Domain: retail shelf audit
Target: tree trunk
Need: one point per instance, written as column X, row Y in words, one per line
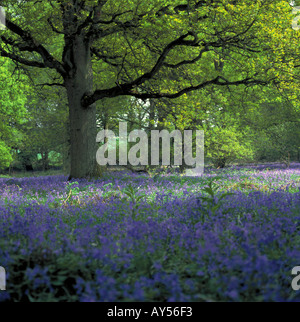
column 45, row 161
column 220, row 163
column 83, row 128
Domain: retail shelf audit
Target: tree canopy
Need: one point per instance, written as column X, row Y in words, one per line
column 154, row 49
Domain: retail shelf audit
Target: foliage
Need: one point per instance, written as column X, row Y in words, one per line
column 213, row 202
column 12, row 112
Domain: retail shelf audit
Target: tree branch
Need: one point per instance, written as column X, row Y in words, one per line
column 181, row 41
column 187, row 62
column 21, row 60
column 126, row 90
column 31, row 45
column 50, row 84
column 54, row 28
column 105, row 58
column 215, row 81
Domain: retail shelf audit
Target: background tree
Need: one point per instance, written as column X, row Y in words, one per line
column 12, row 111
column 46, row 132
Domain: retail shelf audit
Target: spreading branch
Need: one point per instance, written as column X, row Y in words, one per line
column 51, row 84
column 188, row 62
column 126, row 88
column 21, row 60
column 126, row 91
column 29, row 44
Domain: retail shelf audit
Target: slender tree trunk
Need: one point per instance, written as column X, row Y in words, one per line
column 83, row 128
column 45, row 160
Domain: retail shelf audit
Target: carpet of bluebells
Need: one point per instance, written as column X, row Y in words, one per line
column 229, row 235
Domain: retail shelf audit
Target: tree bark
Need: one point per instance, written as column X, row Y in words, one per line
column 45, row 160
column 83, row 128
